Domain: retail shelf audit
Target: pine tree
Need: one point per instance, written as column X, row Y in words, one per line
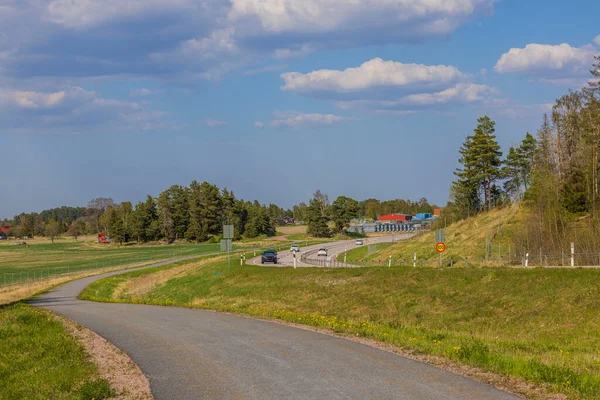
column 481, row 160
column 512, row 173
column 318, row 215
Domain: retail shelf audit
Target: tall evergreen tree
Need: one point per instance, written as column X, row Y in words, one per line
column 481, row 160
column 318, row 215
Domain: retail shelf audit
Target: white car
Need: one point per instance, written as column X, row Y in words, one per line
column 295, row 248
column 359, row 242
column 322, row 253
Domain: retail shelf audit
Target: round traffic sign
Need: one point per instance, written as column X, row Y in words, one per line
column 440, row 247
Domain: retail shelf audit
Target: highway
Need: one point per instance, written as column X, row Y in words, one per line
column 286, row 258
column 197, row 354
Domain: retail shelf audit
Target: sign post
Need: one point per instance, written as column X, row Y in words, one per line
column 440, row 247
column 294, row 259
column 226, row 243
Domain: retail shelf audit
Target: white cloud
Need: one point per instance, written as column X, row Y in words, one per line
column 213, row 123
column 30, row 99
column 259, row 124
column 73, row 109
column 296, row 119
column 143, row 92
column 370, row 19
column 597, row 40
column 543, row 60
column 461, row 93
column 373, row 74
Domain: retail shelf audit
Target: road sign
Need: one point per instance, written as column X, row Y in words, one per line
column 440, row 247
column 440, row 236
column 227, row 231
column 226, row 245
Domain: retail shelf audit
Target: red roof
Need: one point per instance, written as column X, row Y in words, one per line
column 395, row 217
column 437, row 211
column 5, row 229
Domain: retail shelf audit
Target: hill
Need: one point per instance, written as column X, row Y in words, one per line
column 466, row 242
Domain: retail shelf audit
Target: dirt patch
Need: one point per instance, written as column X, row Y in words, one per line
column 292, row 230
column 124, row 376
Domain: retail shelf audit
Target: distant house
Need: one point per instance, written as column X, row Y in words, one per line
column 437, row 211
column 288, row 220
column 5, row 229
column 394, row 218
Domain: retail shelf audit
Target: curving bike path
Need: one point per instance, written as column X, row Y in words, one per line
column 197, row 354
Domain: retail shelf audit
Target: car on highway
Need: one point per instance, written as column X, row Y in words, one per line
column 295, row 248
column 359, row 242
column 322, row 252
column 268, row 256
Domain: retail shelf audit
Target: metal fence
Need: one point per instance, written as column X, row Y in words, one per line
column 563, row 260
column 35, row 275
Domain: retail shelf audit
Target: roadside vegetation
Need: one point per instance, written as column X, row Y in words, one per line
column 39, row 359
column 537, row 325
column 486, row 239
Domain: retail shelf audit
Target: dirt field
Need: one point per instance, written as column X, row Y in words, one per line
column 293, row 229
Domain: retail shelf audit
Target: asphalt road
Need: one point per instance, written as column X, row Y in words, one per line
column 196, row 354
column 286, row 258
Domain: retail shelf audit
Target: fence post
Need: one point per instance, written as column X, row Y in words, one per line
column 572, row 254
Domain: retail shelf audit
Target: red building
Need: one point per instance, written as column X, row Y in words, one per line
column 395, row 218
column 437, row 211
column 5, row 229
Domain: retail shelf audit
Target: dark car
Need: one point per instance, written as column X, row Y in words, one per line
column 268, row 256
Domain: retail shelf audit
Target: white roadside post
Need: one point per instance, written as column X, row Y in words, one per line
column 345, row 250
column 294, row 259
column 390, row 262
column 241, row 259
column 254, row 252
column 526, row 260
column 415, row 261
column 572, row 254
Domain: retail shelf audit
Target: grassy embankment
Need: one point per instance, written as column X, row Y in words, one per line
column 465, row 240
column 541, row 326
column 40, row 360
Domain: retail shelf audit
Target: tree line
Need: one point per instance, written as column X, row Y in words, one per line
column 197, row 212
column 557, row 173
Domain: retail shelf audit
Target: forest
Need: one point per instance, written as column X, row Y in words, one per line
column 554, row 174
column 196, row 213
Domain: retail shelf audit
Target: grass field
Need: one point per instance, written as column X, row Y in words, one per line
column 465, row 240
column 542, row 326
column 361, row 253
column 40, row 360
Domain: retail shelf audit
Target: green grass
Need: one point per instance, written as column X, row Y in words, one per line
column 22, row 264
column 81, row 255
column 466, row 241
column 539, row 325
column 361, row 253
column 39, row 359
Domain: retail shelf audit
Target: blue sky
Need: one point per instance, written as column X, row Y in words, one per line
column 271, row 98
